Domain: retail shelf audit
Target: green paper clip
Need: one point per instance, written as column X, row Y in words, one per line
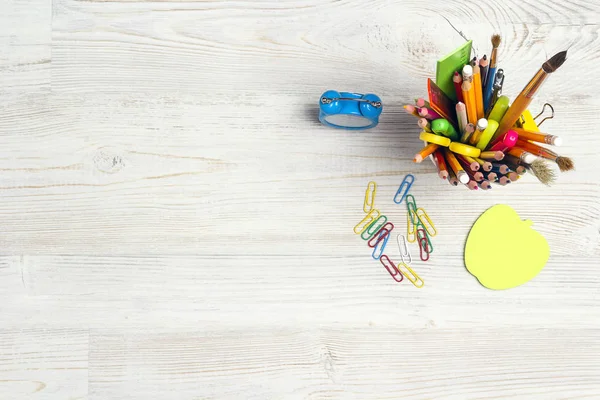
column 374, row 227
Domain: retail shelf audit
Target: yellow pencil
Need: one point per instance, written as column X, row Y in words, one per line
column 469, row 97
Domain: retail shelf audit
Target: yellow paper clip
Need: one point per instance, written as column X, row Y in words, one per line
column 367, row 220
column 410, row 275
column 411, row 230
column 424, row 217
column 370, row 197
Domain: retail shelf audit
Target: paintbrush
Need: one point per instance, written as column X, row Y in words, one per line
column 489, row 81
column 564, row 163
column 542, row 171
column 526, row 96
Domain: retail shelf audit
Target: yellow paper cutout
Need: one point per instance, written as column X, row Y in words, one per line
column 503, row 251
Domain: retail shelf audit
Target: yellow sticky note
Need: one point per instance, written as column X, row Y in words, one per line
column 503, row 251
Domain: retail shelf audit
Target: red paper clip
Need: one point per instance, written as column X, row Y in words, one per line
column 422, row 234
column 391, row 268
column 423, row 247
column 380, row 234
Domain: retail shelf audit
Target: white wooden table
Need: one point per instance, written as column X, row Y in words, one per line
column 176, row 223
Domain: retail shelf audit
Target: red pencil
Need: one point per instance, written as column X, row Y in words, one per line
column 457, row 79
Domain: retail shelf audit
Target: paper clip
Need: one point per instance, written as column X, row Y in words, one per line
column 366, row 221
column 370, row 197
column 411, row 199
column 406, row 184
column 404, row 251
column 411, row 231
column 424, row 217
column 410, row 275
column 412, row 212
column 543, row 110
column 374, row 227
column 385, row 230
column 382, row 240
column 422, row 234
column 391, row 268
column 423, row 248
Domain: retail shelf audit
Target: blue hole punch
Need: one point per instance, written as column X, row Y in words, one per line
column 352, row 111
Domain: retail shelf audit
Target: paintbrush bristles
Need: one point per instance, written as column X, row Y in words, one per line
column 555, row 62
column 541, row 169
column 565, row 164
column 496, row 39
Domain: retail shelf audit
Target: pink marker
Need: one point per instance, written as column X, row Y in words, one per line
column 506, row 142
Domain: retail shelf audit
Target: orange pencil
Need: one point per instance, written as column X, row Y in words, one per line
column 469, row 97
column 478, row 91
column 425, row 151
column 523, row 156
column 441, row 164
column 538, row 137
column 456, row 167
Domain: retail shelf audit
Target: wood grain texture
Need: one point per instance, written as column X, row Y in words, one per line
column 177, row 224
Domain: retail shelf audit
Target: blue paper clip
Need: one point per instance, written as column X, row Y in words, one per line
column 380, row 245
column 349, row 110
column 406, row 184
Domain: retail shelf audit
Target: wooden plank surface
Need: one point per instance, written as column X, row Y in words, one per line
column 177, row 224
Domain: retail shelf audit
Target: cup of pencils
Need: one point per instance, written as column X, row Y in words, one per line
column 473, row 134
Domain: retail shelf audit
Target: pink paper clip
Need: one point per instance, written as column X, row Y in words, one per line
column 381, row 234
column 391, row 268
